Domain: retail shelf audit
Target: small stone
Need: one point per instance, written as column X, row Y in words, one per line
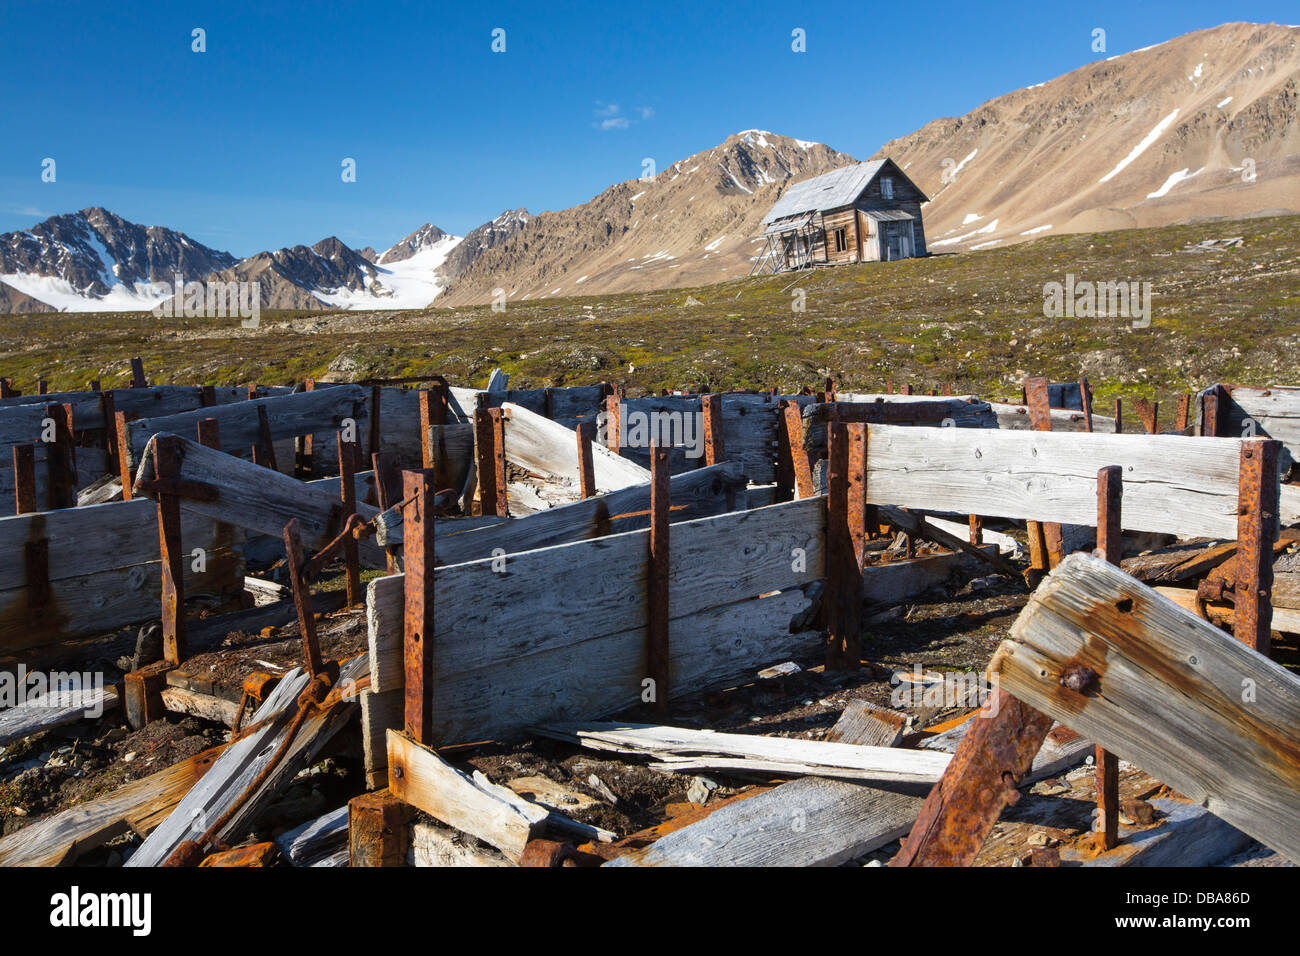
column 1037, row 838
column 127, row 758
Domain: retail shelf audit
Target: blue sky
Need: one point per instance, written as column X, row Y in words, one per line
column 241, row 146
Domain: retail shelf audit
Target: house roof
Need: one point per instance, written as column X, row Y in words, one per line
column 792, row 224
column 839, row 187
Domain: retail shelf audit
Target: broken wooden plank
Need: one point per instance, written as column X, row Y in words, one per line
column 1202, row 712
column 317, row 842
column 546, row 448
column 681, row 748
column 864, row 723
column 54, row 708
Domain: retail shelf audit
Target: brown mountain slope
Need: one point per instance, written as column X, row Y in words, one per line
column 13, row 301
column 1068, row 155
column 695, row 222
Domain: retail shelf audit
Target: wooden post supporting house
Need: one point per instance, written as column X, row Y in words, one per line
column 1110, row 491
column 845, row 542
column 1257, row 529
column 657, row 608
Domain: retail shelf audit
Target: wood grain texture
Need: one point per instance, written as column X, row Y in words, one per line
column 1200, row 711
column 1185, row 486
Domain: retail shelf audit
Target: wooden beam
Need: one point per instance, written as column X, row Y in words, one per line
column 1104, row 652
column 845, row 531
column 377, row 829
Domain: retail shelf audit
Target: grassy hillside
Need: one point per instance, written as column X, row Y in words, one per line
column 974, row 320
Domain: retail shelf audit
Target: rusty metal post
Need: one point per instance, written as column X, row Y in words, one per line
column 42, row 387
column 210, row 433
column 60, row 460
column 1040, row 419
column 586, row 466
column 845, row 529
column 418, row 555
column 348, row 495
column 388, row 491
column 123, row 443
column 791, row 428
column 1148, row 412
column 375, row 418
column 489, row 441
column 1085, row 399
column 297, row 562
column 207, row 396
column 1214, row 412
column 657, row 607
column 976, row 529
column 24, row 478
column 264, row 450
column 137, row 373
column 166, row 465
column 1184, row 411
column 906, row 390
column 711, row 410
column 981, row 779
column 1110, row 490
column 613, row 418
column 305, row 446
column 1257, row 529
column 1119, row 415
column 7, row 388
column 108, row 410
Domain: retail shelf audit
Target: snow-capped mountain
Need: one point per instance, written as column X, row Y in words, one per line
column 95, row 261
column 482, row 238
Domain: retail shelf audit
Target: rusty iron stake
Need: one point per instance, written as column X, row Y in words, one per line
column 1148, row 412
column 137, row 373
column 305, row 446
column 1184, row 411
column 418, row 555
column 1257, row 529
column 60, row 460
column 123, row 443
column 657, row 607
column 166, row 465
column 1214, row 412
column 7, row 388
column 24, row 478
column 1040, row 419
column 302, row 597
column 845, row 529
column 1119, row 415
column 108, row 410
column 711, row 411
column 586, row 466
column 613, row 415
column 906, row 390
column 210, row 433
column 264, row 450
column 388, row 491
column 348, row 495
column 207, row 396
column 976, row 529
column 375, row 419
column 800, row 462
column 489, row 439
column 982, row 778
column 1110, row 491
column 1085, row 397
column 548, row 402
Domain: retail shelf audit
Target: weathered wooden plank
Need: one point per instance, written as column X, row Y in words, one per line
column 806, row 822
column 1202, row 712
column 864, row 723
column 524, row 603
column 150, row 402
column 316, row 841
column 1016, row 417
column 420, row 777
column 547, row 448
column 1272, row 412
column 303, row 413
column 684, row 748
column 1185, row 486
column 53, row 709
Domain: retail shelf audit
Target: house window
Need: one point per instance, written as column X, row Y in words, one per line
column 842, row 240
column 887, row 188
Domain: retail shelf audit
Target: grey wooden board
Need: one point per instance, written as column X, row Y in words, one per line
column 90, row 462
column 239, row 764
column 546, row 448
column 1184, row 486
column 1193, row 707
column 864, row 723
column 53, row 709
column 1187, row 836
column 1274, row 412
column 302, row 413
column 322, row 837
column 95, row 538
column 580, row 401
column 490, row 612
column 748, row 431
column 264, row 501
column 806, row 822
column 1016, row 417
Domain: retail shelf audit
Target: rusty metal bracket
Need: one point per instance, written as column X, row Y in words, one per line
column 657, row 596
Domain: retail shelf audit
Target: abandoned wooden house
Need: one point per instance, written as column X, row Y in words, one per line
column 870, row 212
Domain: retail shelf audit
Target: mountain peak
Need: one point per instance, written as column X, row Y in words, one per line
column 425, row 237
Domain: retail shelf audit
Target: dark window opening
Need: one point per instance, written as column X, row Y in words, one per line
column 842, row 240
